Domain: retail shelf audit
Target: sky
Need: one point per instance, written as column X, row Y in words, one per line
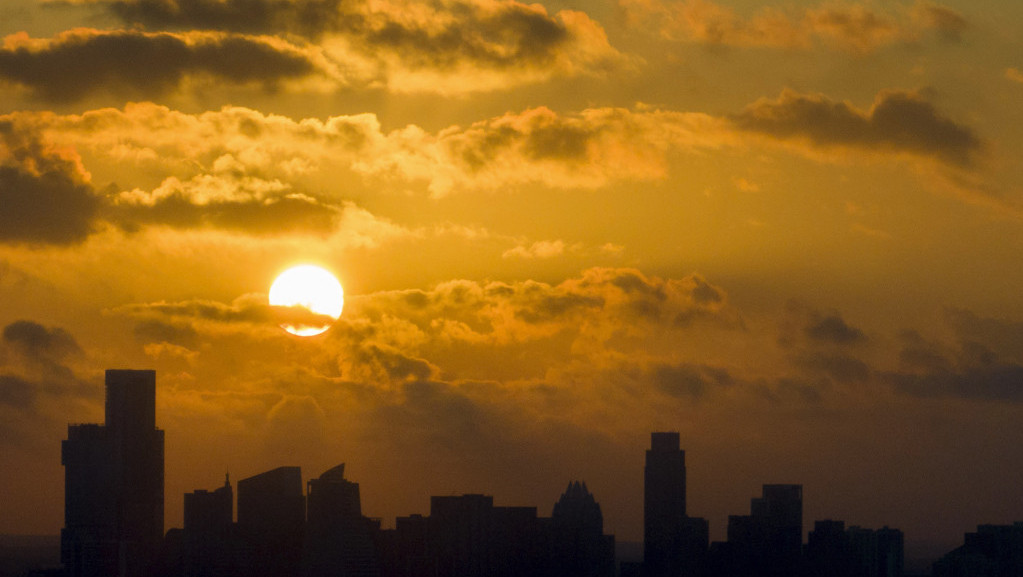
column 790, row 231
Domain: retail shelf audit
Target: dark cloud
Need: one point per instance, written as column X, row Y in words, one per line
column 949, row 24
column 305, row 17
column 832, row 328
column 409, row 45
column 173, row 322
column 538, row 135
column 1002, row 336
column 508, row 35
column 38, row 343
column 44, row 193
column 897, row 122
column 550, row 307
column 505, row 34
column 281, row 215
column 998, row 382
column 16, row 392
column 689, row 380
column 840, row 368
column 157, row 331
column 82, row 61
column 392, row 364
column 969, row 370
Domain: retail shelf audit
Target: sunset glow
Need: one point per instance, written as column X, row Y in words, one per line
column 311, row 288
column 789, row 230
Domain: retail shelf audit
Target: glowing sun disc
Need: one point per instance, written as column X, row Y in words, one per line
column 309, row 289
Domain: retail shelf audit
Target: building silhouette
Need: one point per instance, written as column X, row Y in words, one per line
column 768, row 541
column 580, row 547
column 207, row 539
column 114, row 521
column 271, row 523
column 339, row 540
column 674, row 544
column 113, row 474
column 990, row 551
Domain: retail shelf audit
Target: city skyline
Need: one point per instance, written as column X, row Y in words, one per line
column 789, row 231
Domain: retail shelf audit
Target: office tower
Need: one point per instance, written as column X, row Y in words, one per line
column 339, row 540
column 780, row 510
column 664, row 506
column 113, row 509
column 827, row 550
column 875, row 553
column 580, row 547
column 991, row 550
column 407, row 550
column 207, row 545
column 271, row 523
column 462, row 532
column 768, row 541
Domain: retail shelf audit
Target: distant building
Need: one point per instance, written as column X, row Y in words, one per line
column 991, row 551
column 271, row 523
column 674, row 544
column 580, row 547
column 768, row 541
column 827, row 550
column 664, row 505
column 113, row 506
column 339, row 540
column 834, row 551
column 208, row 534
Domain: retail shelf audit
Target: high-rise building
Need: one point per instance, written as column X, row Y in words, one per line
column 207, row 546
column 271, row 523
column 769, row 540
column 664, row 506
column 339, row 540
column 113, row 506
column 580, row 547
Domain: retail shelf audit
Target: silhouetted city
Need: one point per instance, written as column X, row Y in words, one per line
column 114, row 517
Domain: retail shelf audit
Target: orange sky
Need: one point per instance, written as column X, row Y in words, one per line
column 791, row 232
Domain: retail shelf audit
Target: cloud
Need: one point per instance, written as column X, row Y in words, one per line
column 44, row 190
column 240, row 169
column 831, row 328
column 1014, row 75
column 539, row 249
column 997, row 382
column 34, row 361
column 228, row 201
column 899, row 122
column 689, row 380
column 38, row 343
column 585, row 150
column 969, row 369
column 449, row 46
column 16, row 392
column 1003, row 337
column 853, row 27
column 304, row 17
column 949, row 23
column 80, row 62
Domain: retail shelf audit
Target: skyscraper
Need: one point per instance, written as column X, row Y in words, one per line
column 664, row 506
column 271, row 522
column 339, row 540
column 208, row 531
column 113, row 501
column 580, row 547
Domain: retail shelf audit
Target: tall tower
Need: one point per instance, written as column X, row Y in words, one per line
column 339, row 540
column 271, row 522
column 664, row 506
column 113, row 507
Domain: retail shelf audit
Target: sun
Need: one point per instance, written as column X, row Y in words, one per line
column 309, row 299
